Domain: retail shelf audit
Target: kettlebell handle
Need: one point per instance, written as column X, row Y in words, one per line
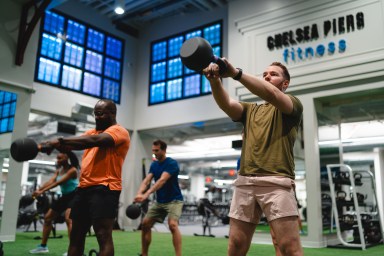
column 222, row 65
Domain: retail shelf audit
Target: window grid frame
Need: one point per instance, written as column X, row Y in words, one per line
column 184, row 74
column 82, row 68
column 10, row 116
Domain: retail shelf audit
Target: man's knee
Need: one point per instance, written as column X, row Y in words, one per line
column 173, row 227
column 290, row 246
column 146, row 225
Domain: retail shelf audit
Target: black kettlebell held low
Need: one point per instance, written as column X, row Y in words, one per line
column 133, row 211
column 25, row 149
column 196, row 54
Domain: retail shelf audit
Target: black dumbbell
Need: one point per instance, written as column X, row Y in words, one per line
column 196, row 54
column 133, row 211
column 25, row 149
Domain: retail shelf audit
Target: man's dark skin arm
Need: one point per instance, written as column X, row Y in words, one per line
column 143, row 194
column 82, row 142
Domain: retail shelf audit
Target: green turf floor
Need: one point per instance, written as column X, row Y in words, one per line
column 128, row 244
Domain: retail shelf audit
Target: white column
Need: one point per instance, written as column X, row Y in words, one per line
column 1, row 171
column 379, row 179
column 197, row 186
column 13, row 189
column 312, row 170
column 24, row 176
column 139, row 151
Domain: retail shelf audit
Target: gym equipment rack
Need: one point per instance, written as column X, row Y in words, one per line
column 354, row 206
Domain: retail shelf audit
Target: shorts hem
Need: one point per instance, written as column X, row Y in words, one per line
column 287, row 214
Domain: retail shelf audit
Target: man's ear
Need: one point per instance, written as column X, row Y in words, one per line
column 285, row 85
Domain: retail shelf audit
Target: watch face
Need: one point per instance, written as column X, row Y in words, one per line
column 239, row 74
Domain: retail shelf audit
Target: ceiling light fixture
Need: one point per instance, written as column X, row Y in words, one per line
column 353, row 141
column 120, row 6
column 41, row 162
column 205, row 154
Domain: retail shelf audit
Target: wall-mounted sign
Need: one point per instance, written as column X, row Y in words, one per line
column 292, row 41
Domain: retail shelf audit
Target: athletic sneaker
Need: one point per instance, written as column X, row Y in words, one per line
column 65, row 254
column 39, row 249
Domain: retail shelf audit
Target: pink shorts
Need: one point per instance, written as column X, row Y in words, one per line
column 272, row 195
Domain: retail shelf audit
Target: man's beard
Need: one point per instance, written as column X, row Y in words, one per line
column 101, row 126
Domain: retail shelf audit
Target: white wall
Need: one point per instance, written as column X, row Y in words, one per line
column 9, row 24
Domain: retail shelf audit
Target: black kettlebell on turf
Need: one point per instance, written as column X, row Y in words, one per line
column 25, row 149
column 196, row 54
column 93, row 252
column 133, row 211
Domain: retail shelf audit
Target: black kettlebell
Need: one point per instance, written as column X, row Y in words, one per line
column 196, row 54
column 93, row 251
column 25, row 149
column 225, row 220
column 133, row 211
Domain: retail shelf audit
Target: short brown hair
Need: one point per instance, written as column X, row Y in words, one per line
column 163, row 145
column 286, row 74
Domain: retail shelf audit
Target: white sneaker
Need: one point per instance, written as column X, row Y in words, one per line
column 39, row 249
column 65, row 254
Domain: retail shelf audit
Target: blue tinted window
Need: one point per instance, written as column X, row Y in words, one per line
column 112, row 68
column 213, row 34
column 174, row 46
column 75, row 56
column 54, row 23
column 114, row 47
column 159, row 51
column 71, row 78
column 75, row 32
column 49, row 71
column 192, row 85
column 93, row 61
column 206, row 86
column 193, row 34
column 51, row 47
column 174, row 89
column 7, row 111
column 111, row 90
column 92, row 84
column 170, row 80
column 158, row 71
column 4, row 125
column 175, row 68
column 95, row 40
column 157, row 93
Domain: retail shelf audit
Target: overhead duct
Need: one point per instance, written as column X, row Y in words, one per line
column 82, row 112
column 54, row 127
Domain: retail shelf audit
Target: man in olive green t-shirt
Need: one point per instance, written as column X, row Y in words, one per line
column 265, row 184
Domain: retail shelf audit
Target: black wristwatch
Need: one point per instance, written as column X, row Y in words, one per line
column 61, row 141
column 239, row 74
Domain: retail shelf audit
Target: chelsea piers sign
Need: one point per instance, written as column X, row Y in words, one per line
column 291, row 42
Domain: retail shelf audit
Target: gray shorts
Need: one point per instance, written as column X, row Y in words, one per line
column 158, row 211
column 274, row 196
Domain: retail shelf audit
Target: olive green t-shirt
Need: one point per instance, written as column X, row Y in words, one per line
column 269, row 137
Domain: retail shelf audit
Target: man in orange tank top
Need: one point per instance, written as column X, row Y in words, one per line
column 97, row 197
